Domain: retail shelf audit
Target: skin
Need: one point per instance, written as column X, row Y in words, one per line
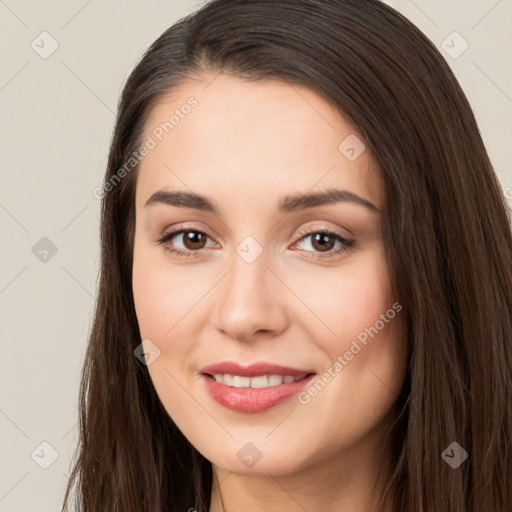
column 245, row 145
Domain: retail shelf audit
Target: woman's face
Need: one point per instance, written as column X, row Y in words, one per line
column 258, row 283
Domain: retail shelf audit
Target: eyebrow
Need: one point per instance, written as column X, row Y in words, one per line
column 287, row 204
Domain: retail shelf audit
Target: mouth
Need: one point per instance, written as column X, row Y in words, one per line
column 259, row 382
column 253, row 388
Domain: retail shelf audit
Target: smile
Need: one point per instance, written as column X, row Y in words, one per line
column 253, row 394
column 262, row 381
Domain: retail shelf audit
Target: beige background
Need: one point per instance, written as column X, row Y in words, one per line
column 57, row 115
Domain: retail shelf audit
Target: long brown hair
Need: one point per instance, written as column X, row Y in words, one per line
column 447, row 235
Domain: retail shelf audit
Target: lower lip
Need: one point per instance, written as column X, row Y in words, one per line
column 253, row 399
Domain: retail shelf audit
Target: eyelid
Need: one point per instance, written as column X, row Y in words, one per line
column 174, row 230
column 320, row 229
column 179, row 229
column 300, row 234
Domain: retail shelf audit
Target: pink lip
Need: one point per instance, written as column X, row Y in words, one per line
column 252, row 400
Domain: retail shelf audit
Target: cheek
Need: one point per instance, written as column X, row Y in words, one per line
column 162, row 297
column 366, row 354
column 163, row 302
column 346, row 301
column 169, row 304
column 151, row 303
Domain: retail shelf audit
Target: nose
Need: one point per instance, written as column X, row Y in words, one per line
column 251, row 301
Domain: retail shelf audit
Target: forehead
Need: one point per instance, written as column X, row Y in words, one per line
column 223, row 135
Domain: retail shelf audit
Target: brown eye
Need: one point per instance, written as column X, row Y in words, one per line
column 194, row 240
column 322, row 242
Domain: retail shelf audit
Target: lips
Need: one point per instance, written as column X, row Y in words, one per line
column 253, row 399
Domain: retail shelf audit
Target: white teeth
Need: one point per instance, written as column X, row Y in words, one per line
column 259, row 382
column 275, row 380
column 262, row 381
column 226, row 379
column 241, row 382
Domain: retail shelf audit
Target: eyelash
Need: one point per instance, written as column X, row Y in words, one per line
column 347, row 244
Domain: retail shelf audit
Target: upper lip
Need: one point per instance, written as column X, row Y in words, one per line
column 253, row 369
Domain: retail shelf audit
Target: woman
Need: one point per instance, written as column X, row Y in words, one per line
column 306, row 284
